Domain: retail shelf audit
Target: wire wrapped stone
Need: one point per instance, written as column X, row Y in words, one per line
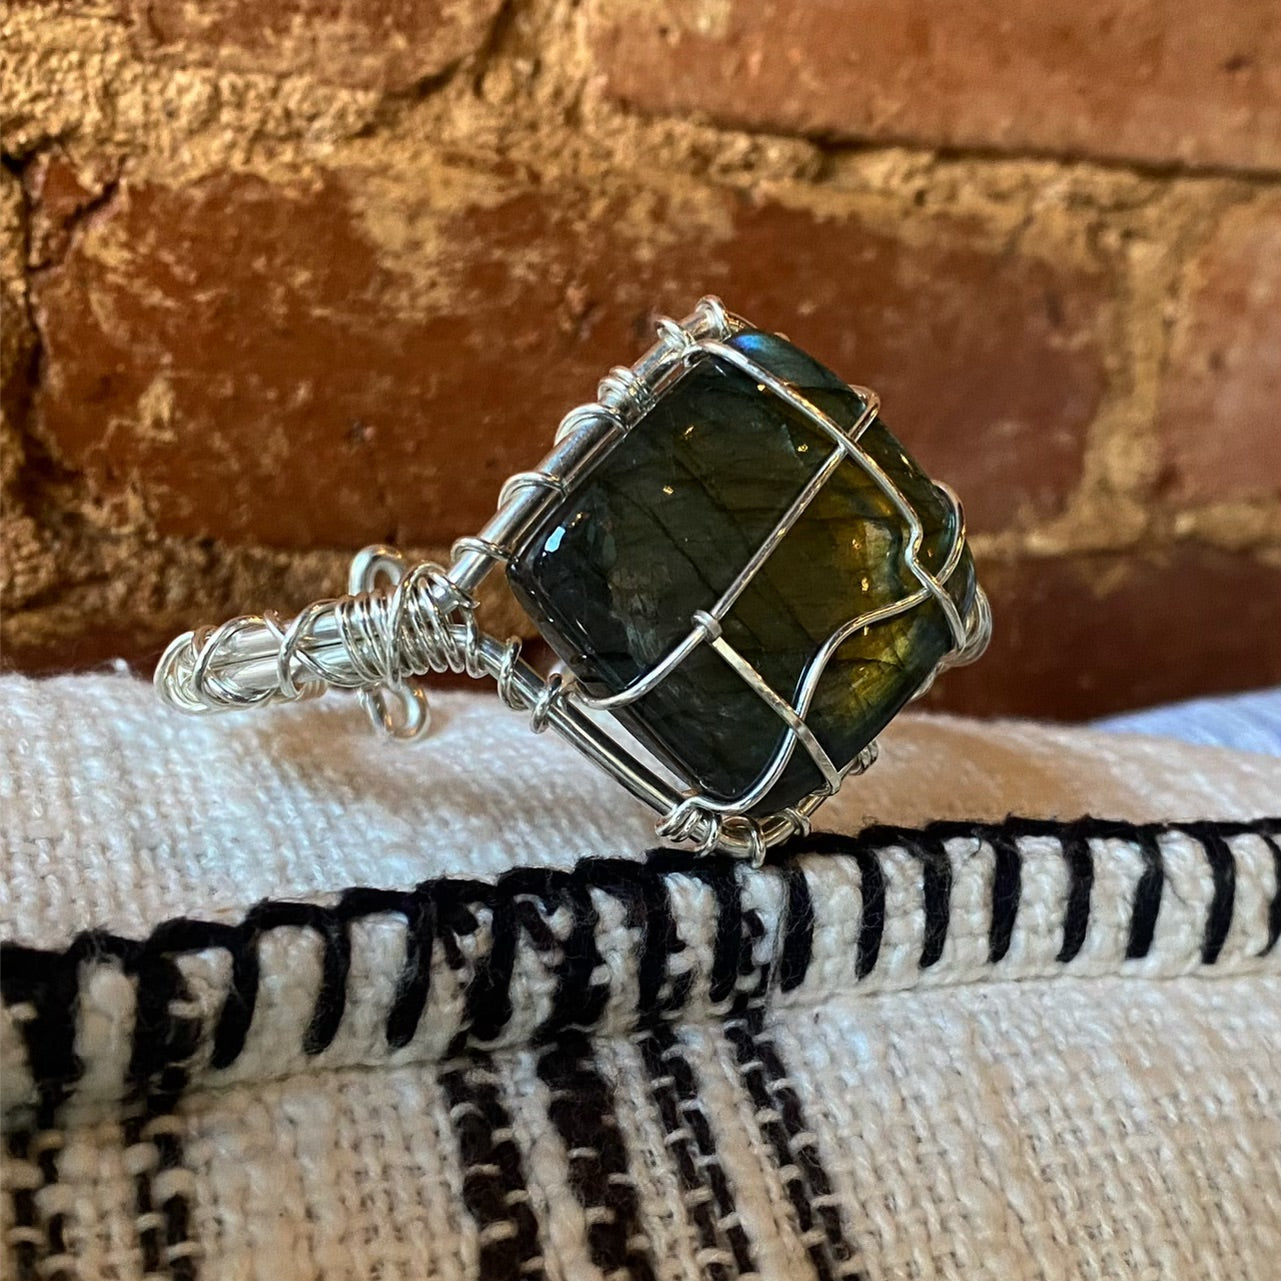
column 667, row 663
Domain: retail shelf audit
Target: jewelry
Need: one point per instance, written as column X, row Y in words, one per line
column 735, row 561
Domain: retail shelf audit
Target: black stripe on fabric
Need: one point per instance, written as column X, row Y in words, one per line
column 1076, row 915
column 155, row 1076
column 581, row 1104
column 674, row 1087
column 676, row 1093
column 802, row 1144
column 494, row 1188
column 578, row 1002
column 147, row 1219
column 494, row 1185
column 50, row 985
column 782, row 1125
column 581, row 1107
column 1223, row 870
column 24, row 1236
column 777, row 1107
column 162, row 1044
column 181, row 1252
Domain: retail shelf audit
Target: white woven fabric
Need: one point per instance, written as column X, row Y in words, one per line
column 976, row 1049
column 1250, row 722
column 119, row 813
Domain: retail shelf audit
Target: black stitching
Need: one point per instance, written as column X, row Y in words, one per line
column 871, row 928
column 50, row 983
column 1223, row 870
column 577, row 1001
column 720, row 875
column 487, row 998
column 1007, row 888
column 414, row 984
column 331, row 999
column 1274, row 911
column 182, row 934
column 647, row 906
column 798, row 929
column 488, row 995
column 1147, row 894
column 446, row 910
column 872, row 882
column 1076, row 916
column 936, row 880
column 237, row 1011
column 159, row 1039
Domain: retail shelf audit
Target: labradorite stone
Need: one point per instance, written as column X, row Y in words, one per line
column 661, row 526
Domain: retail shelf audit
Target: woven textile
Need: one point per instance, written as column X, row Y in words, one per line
column 281, row 1001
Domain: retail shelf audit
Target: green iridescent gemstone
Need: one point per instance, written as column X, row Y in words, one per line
column 662, row 525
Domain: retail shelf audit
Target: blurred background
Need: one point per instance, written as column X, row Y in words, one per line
column 285, row 277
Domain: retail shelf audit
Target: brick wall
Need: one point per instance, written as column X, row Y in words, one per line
column 283, row 278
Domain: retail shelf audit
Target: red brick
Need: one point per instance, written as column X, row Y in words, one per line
column 1151, row 80
column 17, row 341
column 383, row 44
column 1221, row 402
column 1082, row 636
column 61, row 192
column 242, row 361
column 127, row 597
column 16, row 352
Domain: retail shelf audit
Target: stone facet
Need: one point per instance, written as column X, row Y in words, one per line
column 662, row 525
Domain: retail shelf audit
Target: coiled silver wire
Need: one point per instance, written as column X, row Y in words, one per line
column 396, row 624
